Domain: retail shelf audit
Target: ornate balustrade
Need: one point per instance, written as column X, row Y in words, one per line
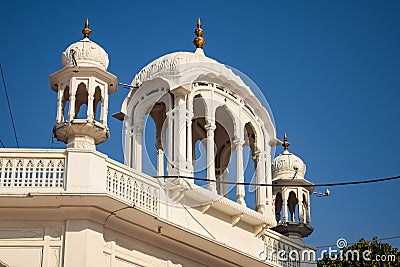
column 25, row 169
column 281, row 251
column 37, row 170
column 129, row 185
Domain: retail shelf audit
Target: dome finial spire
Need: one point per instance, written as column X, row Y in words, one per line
column 199, row 41
column 285, row 144
column 86, row 31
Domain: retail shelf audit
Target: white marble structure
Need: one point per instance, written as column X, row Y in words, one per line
column 77, row 207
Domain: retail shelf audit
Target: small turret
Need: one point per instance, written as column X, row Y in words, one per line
column 291, row 193
column 83, row 86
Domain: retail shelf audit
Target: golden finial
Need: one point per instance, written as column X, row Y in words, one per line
column 199, row 41
column 285, row 142
column 86, row 31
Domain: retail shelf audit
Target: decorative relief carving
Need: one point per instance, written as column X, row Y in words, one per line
column 83, row 51
column 166, row 64
column 288, row 162
column 54, row 257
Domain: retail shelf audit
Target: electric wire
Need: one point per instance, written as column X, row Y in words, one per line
column 201, row 225
column 9, row 106
column 1, row 142
column 304, row 185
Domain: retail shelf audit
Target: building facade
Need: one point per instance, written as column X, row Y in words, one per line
column 77, row 207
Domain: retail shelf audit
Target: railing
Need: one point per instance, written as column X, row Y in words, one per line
column 46, row 169
column 123, row 183
column 282, row 252
column 20, row 172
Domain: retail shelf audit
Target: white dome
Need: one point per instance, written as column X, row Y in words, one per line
column 86, row 53
column 288, row 166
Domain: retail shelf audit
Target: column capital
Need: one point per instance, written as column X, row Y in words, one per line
column 238, row 142
column 258, row 154
column 181, row 91
column 210, row 127
column 139, row 130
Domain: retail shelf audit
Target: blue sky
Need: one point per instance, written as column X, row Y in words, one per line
column 330, row 71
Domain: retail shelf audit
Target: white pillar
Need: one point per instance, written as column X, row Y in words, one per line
column 72, row 98
column 240, row 192
column 300, row 208
column 137, row 146
column 127, row 145
column 261, row 191
column 170, row 142
column 59, row 105
column 210, row 127
column 285, row 207
column 90, row 89
column 104, row 107
column 189, row 141
column 268, row 178
column 180, row 135
column 160, row 161
column 223, row 177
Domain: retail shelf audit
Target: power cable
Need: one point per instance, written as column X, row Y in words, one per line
column 304, row 185
column 1, row 142
column 9, row 106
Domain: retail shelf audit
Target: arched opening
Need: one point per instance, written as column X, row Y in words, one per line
column 199, row 140
column 200, row 162
column 278, row 207
column 292, row 204
column 250, row 163
column 304, row 210
column 159, row 115
column 223, row 136
column 97, row 109
column 81, row 102
column 65, row 104
column 149, row 152
column 232, row 176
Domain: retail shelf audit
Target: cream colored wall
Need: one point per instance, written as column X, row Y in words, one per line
column 79, row 243
column 31, row 243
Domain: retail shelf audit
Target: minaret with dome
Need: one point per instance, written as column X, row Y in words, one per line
column 83, row 86
column 291, row 194
column 78, row 207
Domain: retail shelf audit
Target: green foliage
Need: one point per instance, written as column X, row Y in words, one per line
column 380, row 254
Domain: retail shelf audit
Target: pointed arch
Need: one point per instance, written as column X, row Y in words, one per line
column 292, row 204
column 198, row 121
column 81, row 99
column 65, row 103
column 224, row 134
column 199, row 136
column 154, row 138
column 278, row 207
column 250, row 162
column 98, row 109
